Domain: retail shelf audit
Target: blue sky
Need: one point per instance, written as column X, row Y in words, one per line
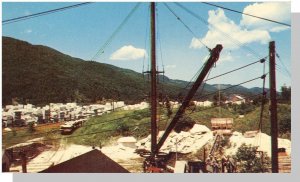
column 81, row 32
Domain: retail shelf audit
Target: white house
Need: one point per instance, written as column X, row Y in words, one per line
column 236, row 99
column 207, row 103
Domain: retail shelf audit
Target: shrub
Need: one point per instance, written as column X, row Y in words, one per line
column 123, row 128
column 250, row 161
column 31, row 127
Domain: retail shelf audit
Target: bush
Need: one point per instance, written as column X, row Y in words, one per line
column 140, row 114
column 244, row 108
column 285, row 124
column 250, row 161
column 123, row 128
column 31, row 127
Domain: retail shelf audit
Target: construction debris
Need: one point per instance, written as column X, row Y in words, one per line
column 260, row 140
column 127, row 142
column 183, row 142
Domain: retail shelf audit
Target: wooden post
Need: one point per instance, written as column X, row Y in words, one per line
column 24, row 161
column 153, row 83
column 273, row 108
column 204, row 153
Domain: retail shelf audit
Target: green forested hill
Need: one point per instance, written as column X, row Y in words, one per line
column 39, row 75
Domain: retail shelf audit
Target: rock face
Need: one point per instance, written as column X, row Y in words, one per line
column 183, row 142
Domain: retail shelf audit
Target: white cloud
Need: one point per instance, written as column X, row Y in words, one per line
column 27, row 12
column 249, row 55
column 171, row 66
column 128, row 52
column 226, row 27
column 277, row 11
column 225, row 57
column 28, row 31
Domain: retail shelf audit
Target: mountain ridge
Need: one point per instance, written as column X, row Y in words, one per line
column 41, row 74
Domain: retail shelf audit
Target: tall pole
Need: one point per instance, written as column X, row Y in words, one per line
column 273, row 108
column 153, row 82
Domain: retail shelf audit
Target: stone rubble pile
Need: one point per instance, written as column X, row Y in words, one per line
column 260, row 140
column 184, row 142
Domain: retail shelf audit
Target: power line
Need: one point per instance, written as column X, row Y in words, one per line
column 237, row 42
column 254, row 16
column 260, row 77
column 146, row 38
column 159, row 39
column 209, row 108
column 278, row 68
column 284, row 67
column 231, row 71
column 191, row 80
column 185, row 25
column 101, row 50
column 259, row 61
column 22, row 18
column 263, row 100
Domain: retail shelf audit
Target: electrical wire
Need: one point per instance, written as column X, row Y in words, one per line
column 186, row 26
column 247, row 14
column 213, row 107
column 159, row 40
column 263, row 100
column 22, row 18
column 260, row 77
column 284, row 67
column 239, row 68
column 109, row 40
column 237, row 42
column 281, row 70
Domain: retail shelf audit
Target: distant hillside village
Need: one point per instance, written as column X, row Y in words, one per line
column 22, row 115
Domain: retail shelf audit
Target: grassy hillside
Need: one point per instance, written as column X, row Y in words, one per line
column 251, row 121
column 106, row 128
column 126, row 126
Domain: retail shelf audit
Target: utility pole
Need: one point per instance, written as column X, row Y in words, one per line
column 153, row 82
column 273, row 108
